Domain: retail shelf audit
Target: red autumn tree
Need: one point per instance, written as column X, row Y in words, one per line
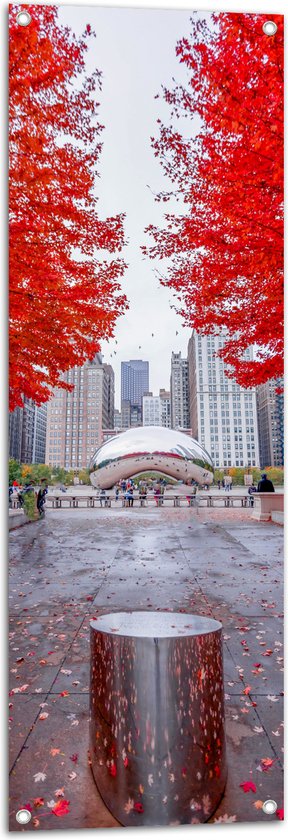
column 225, row 249
column 65, row 295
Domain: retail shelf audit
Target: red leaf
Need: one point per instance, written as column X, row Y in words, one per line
column 139, row 807
column 61, row 808
column 247, row 786
column 280, row 813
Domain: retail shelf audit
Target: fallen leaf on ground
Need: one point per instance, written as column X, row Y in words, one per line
column 61, row 808
column 39, row 777
column 247, row 786
column 267, row 762
column 258, row 804
column 59, row 792
column 225, row 819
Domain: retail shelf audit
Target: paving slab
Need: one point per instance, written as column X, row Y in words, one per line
column 79, row 564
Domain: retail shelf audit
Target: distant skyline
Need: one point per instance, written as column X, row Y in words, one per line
column 129, row 172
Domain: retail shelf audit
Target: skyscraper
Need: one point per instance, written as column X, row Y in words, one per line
column 165, row 398
column 270, row 410
column 134, row 384
column 76, row 419
column 179, row 389
column 223, row 415
column 27, row 433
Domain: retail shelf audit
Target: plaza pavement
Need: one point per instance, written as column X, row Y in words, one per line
column 76, row 564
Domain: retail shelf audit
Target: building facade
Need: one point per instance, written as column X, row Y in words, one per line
column 27, row 433
column 270, row 411
column 76, row 419
column 179, row 389
column 134, row 384
column 165, row 399
column 152, row 414
column 117, row 419
column 223, row 415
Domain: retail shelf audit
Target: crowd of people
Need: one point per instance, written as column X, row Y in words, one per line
column 126, row 489
column 19, row 492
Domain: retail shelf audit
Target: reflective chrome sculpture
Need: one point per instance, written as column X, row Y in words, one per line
column 157, row 737
column 150, row 448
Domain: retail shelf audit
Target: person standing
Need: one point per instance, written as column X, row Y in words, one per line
column 102, row 496
column 251, row 490
column 265, row 485
column 42, row 492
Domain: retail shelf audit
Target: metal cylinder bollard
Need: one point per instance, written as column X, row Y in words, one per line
column 157, row 737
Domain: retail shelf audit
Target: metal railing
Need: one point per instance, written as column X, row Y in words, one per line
column 140, row 500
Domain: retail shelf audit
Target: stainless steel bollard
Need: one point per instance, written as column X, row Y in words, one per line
column 157, row 737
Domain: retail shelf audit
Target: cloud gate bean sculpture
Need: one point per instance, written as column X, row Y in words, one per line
column 150, row 448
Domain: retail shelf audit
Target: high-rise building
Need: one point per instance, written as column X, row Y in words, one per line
column 76, row 419
column 27, row 433
column 223, row 415
column 135, row 415
column 117, row 419
column 151, row 410
column 165, row 399
column 126, row 414
column 270, row 410
column 179, row 389
column 134, row 383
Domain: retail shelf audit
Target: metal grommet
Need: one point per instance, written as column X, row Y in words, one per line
column 269, row 806
column 23, row 816
column 23, row 18
column 269, row 27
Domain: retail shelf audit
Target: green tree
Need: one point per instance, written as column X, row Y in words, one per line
column 14, row 471
column 84, row 476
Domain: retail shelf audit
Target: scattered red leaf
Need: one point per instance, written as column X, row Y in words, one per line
column 280, row 813
column 138, row 807
column 61, row 808
column 247, row 786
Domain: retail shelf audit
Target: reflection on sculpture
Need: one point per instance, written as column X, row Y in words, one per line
column 157, row 737
column 147, row 448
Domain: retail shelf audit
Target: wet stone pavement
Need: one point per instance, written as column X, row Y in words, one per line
column 76, row 565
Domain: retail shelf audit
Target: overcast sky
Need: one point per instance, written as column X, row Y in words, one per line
column 135, row 50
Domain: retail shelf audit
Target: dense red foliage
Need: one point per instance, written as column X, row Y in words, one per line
column 226, row 248
column 64, row 296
